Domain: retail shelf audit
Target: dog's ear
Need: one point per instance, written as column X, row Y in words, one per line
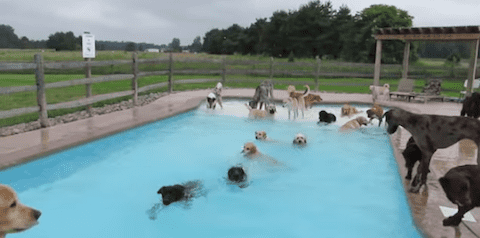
column 160, row 191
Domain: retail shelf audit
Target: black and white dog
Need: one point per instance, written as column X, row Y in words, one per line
column 215, row 97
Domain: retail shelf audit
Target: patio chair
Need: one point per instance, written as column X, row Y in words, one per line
column 476, row 84
column 405, row 89
column 431, row 91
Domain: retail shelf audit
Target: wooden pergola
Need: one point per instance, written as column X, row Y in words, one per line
column 469, row 34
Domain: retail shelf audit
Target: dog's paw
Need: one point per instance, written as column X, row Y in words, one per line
column 452, row 221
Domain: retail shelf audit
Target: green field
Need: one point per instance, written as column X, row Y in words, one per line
column 56, row 95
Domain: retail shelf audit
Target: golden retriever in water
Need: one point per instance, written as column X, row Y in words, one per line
column 348, row 110
column 251, row 152
column 354, row 124
column 260, row 114
column 14, row 216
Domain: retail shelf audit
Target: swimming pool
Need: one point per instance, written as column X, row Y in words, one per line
column 339, row 185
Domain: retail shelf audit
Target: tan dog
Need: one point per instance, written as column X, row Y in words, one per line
column 299, row 96
column 251, row 152
column 292, row 105
column 348, row 110
column 261, row 114
column 376, row 112
column 262, row 135
column 14, row 216
column 310, row 99
column 354, row 124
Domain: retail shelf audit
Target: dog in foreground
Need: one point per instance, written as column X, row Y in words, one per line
column 14, row 216
column 462, row 187
column 432, row 132
column 383, row 91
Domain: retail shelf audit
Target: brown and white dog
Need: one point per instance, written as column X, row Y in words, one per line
column 354, row 124
column 299, row 96
column 383, row 91
column 348, row 110
column 269, row 113
column 432, row 132
column 376, row 112
column 14, row 216
column 215, row 97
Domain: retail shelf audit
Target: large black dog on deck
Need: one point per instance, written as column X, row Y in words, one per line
column 471, row 106
column 432, row 132
column 462, row 187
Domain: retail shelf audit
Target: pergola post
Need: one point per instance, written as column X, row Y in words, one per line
column 473, row 66
column 406, row 56
column 378, row 59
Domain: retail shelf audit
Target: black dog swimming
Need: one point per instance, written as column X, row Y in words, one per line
column 471, row 106
column 412, row 154
column 237, row 174
column 462, row 187
column 326, row 117
column 171, row 194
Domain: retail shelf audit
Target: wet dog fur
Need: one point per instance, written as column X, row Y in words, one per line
column 376, row 112
column 462, row 187
column 354, row 124
column 348, row 110
column 326, row 117
column 432, row 132
column 14, row 216
column 300, row 139
column 262, row 114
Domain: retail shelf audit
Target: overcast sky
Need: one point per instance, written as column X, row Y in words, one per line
column 159, row 22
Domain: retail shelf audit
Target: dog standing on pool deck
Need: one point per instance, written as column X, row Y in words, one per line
column 380, row 90
column 432, row 132
column 14, row 216
column 462, row 187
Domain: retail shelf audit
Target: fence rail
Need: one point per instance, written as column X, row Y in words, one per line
column 226, row 67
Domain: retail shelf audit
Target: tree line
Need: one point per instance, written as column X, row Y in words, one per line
column 315, row 29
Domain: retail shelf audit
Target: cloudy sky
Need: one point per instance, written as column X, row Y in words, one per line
column 159, row 22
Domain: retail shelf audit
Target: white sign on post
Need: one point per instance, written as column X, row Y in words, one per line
column 88, row 46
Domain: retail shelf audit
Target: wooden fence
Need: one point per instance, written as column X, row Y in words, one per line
column 39, row 65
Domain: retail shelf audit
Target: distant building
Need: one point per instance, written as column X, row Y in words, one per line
column 152, row 50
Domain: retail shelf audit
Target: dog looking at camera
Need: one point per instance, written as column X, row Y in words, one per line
column 383, row 91
column 300, row 139
column 462, row 187
column 376, row 112
column 326, row 117
column 354, row 124
column 432, row 132
column 269, row 113
column 15, row 217
column 348, row 110
column 262, row 135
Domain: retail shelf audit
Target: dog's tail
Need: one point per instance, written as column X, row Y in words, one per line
column 307, row 91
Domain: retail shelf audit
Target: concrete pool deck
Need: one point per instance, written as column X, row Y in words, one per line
column 425, row 206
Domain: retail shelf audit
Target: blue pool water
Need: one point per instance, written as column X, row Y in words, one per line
column 339, row 185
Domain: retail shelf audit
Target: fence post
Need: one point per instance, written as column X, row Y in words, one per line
column 88, row 86
column 170, row 75
column 271, row 67
column 224, row 68
column 41, row 99
column 134, row 79
column 317, row 71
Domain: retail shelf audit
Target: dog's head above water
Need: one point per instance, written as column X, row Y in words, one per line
column 237, row 174
column 171, row 193
column 271, row 109
column 14, row 216
column 300, row 139
column 260, row 135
